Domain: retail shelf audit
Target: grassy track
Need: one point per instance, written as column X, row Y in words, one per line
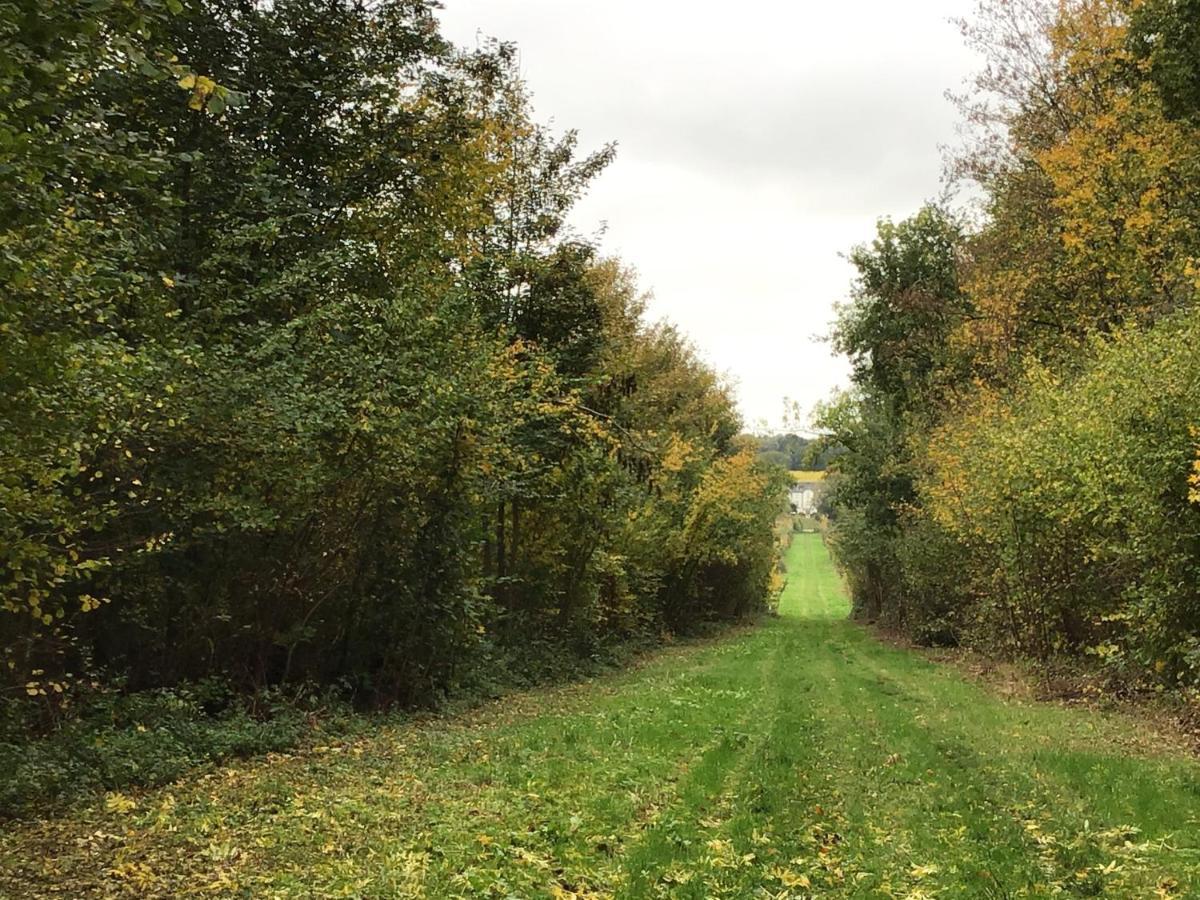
column 799, row 759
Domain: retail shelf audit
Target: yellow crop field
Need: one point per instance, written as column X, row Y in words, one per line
column 809, row 475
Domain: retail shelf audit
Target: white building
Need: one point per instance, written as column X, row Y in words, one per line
column 805, row 492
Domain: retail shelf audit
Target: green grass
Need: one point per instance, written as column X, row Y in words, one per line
column 801, row 758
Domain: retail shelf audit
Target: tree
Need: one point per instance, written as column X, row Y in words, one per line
column 896, row 331
column 304, row 376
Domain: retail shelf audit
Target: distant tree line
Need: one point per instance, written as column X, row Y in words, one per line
column 1023, row 428
column 796, row 453
column 303, row 377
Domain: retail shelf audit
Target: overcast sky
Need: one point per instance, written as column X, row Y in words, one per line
column 757, row 142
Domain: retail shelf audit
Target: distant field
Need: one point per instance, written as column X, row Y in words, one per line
column 807, row 475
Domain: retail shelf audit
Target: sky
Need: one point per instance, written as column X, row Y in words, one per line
column 758, row 142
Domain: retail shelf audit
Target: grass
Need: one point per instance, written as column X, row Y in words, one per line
column 801, row 758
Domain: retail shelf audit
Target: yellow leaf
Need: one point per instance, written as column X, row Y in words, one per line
column 792, row 879
column 119, row 803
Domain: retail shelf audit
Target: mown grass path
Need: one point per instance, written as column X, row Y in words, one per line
column 799, row 759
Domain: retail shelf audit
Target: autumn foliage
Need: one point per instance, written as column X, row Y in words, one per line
column 303, row 378
column 1022, row 474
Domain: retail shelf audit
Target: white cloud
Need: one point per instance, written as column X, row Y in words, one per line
column 758, row 141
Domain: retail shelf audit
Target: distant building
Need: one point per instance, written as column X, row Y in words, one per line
column 805, row 492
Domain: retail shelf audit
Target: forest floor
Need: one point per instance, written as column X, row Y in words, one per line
column 802, row 758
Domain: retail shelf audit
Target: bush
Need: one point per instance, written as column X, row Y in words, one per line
column 1070, row 503
column 116, row 741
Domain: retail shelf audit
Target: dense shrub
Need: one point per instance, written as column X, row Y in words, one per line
column 1071, row 502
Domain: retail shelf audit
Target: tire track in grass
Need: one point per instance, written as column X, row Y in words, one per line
column 770, row 809
column 784, row 833
column 1072, row 837
column 955, row 781
column 649, row 853
column 942, row 812
column 643, row 752
column 896, row 818
column 775, row 809
column 664, row 860
column 926, row 810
